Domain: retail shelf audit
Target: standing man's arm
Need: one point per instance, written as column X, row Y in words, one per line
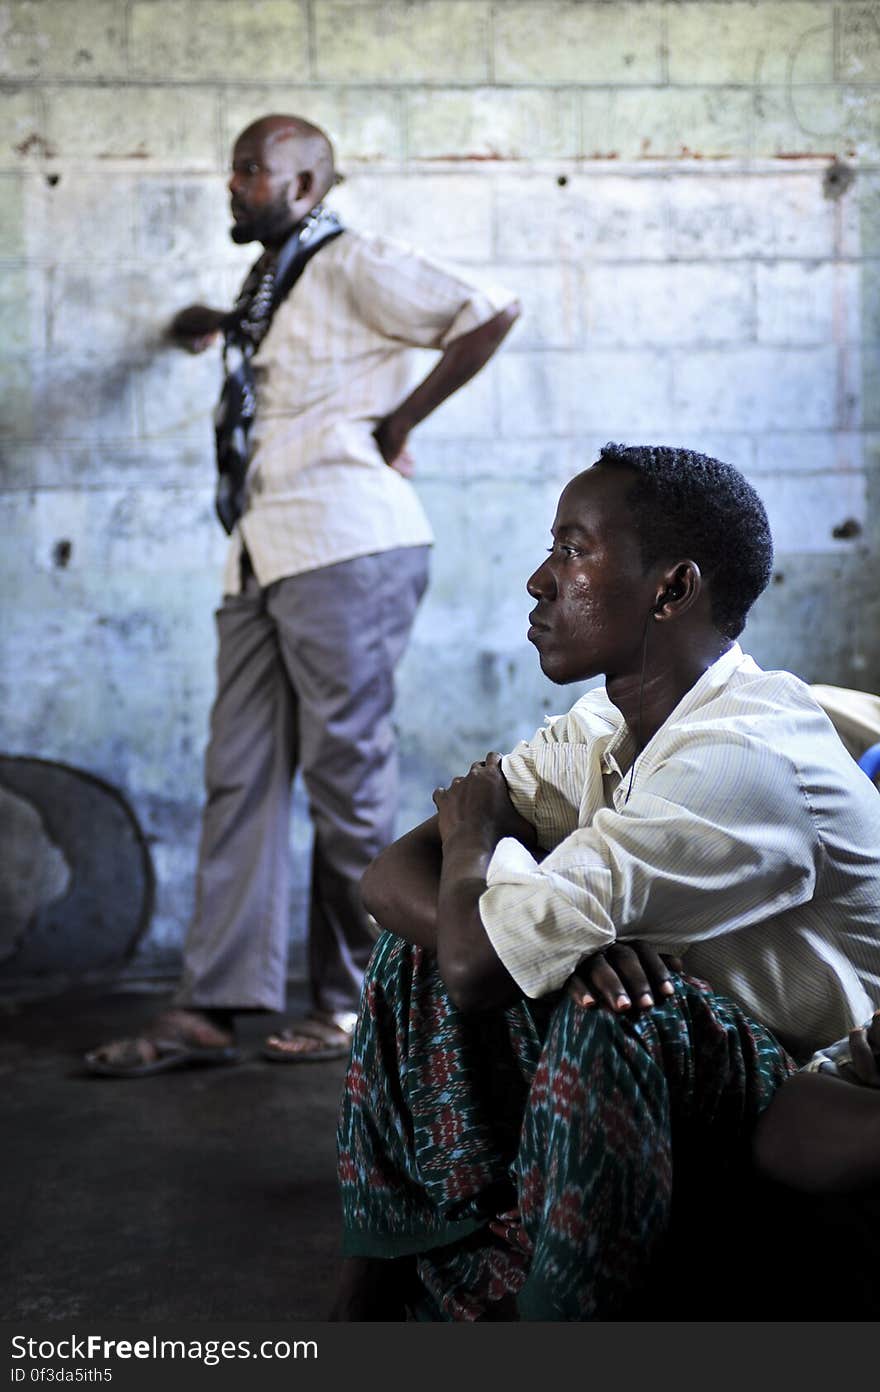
column 196, row 327
column 461, row 361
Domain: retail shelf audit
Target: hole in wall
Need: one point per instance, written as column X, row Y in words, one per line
column 562, row 180
column 847, row 529
column 62, row 552
column 53, row 180
column 779, row 577
column 838, row 177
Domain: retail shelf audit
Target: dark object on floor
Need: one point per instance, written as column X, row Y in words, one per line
column 76, row 885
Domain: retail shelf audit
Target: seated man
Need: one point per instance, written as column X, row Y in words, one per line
column 497, row 1141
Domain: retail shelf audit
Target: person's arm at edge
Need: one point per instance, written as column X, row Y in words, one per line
column 461, row 360
column 821, row 1133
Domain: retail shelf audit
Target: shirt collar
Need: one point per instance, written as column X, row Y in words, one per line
column 710, row 683
column 620, row 750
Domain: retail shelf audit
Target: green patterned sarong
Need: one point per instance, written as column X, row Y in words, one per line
column 532, row 1151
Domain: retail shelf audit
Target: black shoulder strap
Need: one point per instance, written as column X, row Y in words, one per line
column 324, row 232
column 235, row 409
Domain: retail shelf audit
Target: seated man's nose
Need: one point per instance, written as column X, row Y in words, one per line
column 540, row 583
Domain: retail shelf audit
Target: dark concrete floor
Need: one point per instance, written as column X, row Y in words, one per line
column 198, row 1194
column 210, row 1194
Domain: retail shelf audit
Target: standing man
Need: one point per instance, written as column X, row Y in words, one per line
column 327, row 563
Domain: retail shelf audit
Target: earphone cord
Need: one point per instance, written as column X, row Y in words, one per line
column 639, row 718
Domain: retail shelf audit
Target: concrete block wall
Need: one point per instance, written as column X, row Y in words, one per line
column 686, row 195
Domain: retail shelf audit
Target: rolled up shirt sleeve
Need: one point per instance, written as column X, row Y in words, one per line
column 715, row 838
column 412, row 299
column 545, row 779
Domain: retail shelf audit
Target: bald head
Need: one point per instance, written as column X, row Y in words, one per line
column 299, row 145
column 281, row 167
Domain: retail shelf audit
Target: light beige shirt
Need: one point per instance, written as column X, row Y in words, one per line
column 336, row 360
column 750, row 841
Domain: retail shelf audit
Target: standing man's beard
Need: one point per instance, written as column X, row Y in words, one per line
column 270, row 224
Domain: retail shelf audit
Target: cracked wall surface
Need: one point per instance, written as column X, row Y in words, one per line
column 685, row 195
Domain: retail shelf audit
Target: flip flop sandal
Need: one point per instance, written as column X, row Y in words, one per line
column 279, row 1048
column 130, row 1062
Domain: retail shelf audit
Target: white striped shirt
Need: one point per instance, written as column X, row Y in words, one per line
column 338, row 357
column 750, row 842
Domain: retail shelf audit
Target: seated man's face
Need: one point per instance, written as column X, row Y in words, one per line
column 593, row 594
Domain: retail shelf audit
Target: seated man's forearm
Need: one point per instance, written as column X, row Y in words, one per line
column 471, row 970
column 429, row 895
column 400, row 887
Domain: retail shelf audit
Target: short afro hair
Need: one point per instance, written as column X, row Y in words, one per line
column 689, row 505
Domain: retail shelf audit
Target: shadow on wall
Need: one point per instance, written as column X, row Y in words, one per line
column 76, row 877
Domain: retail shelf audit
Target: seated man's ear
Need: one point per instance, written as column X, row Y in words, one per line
column 682, row 585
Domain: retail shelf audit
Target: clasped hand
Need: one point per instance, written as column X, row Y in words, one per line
column 625, row 976
column 479, row 802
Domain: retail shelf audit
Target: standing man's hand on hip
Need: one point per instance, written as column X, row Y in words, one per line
column 391, row 436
